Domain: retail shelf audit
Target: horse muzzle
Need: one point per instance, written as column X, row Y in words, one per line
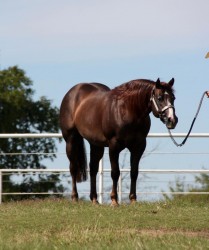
column 169, row 117
column 171, row 122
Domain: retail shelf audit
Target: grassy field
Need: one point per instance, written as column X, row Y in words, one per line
column 60, row 224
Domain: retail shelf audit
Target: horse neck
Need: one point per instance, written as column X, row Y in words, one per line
column 139, row 101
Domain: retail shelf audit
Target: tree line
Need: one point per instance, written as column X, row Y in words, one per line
column 20, row 113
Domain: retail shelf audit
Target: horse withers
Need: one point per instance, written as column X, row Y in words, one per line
column 116, row 118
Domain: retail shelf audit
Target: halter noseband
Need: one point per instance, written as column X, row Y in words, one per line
column 159, row 111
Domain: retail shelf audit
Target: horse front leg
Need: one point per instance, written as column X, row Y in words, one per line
column 115, row 172
column 136, row 154
column 96, row 154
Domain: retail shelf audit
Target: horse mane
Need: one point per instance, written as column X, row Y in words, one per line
column 136, row 93
column 132, row 88
column 137, row 88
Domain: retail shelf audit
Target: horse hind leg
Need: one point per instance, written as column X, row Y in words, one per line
column 75, row 150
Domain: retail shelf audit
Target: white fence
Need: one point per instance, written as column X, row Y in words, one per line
column 102, row 170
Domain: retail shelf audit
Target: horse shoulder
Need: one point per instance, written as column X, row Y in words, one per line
column 120, row 122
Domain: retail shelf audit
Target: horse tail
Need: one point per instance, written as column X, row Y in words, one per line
column 81, row 162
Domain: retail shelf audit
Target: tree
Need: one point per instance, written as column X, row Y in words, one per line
column 202, row 182
column 19, row 113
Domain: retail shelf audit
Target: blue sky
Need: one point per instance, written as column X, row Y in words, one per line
column 61, row 43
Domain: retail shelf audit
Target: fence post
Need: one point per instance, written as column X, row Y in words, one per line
column 120, row 188
column 0, row 186
column 101, row 181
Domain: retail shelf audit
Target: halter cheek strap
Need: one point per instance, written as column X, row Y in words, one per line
column 152, row 99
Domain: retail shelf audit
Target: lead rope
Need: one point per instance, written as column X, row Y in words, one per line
column 185, row 139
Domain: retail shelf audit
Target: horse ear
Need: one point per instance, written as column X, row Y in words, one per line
column 171, row 82
column 158, row 84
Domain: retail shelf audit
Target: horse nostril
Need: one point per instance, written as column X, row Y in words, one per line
column 170, row 123
column 171, row 120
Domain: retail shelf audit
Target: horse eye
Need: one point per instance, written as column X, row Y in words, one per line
column 172, row 98
column 160, row 98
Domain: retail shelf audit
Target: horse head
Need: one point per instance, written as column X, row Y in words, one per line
column 162, row 100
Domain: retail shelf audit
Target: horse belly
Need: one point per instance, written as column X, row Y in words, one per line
column 92, row 135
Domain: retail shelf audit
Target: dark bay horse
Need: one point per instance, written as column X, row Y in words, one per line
column 118, row 119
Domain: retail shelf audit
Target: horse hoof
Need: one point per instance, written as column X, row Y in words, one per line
column 133, row 201
column 75, row 200
column 114, row 203
column 95, row 202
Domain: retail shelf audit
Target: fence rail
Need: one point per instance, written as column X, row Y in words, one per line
column 101, row 169
column 100, row 173
column 59, row 135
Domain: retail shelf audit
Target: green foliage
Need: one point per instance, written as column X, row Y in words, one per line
column 203, row 179
column 19, row 113
column 203, row 186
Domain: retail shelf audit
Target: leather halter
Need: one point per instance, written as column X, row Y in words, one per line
column 159, row 111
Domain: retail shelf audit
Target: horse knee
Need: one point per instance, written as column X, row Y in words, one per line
column 115, row 174
column 93, row 172
column 134, row 174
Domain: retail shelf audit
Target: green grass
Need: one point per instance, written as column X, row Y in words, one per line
column 60, row 224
